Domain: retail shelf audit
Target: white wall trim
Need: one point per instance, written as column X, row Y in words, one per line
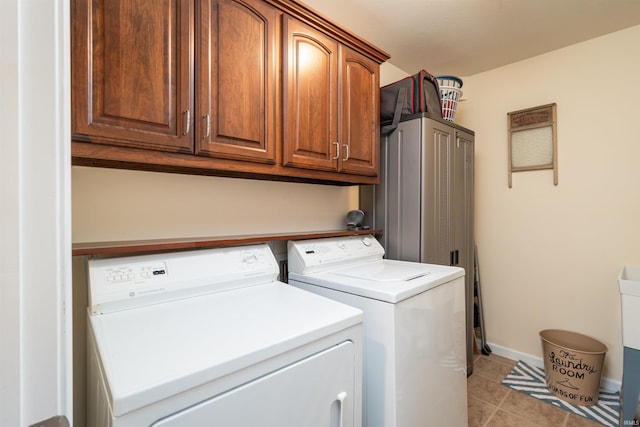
column 62, row 135
column 606, row 383
column 9, row 220
column 35, row 229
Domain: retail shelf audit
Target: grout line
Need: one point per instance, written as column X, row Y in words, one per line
column 491, row 416
column 509, row 391
column 564, row 423
column 504, row 398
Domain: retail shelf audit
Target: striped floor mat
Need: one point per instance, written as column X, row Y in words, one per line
column 530, row 380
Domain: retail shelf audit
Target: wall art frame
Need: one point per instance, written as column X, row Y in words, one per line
column 533, row 140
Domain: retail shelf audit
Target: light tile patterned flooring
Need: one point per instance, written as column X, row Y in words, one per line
column 493, row 405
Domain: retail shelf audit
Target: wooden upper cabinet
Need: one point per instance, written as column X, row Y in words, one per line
column 132, row 73
column 237, row 65
column 310, row 67
column 249, row 88
column 331, row 112
column 359, row 114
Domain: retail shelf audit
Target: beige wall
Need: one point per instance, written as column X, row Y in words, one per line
column 111, row 205
column 550, row 255
column 389, row 73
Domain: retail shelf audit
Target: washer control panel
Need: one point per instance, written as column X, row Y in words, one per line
column 128, row 282
column 307, row 256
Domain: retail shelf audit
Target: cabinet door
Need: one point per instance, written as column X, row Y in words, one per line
column 462, row 200
column 398, row 198
column 438, row 244
column 310, row 62
column 236, row 82
column 359, row 116
column 132, row 73
column 462, row 225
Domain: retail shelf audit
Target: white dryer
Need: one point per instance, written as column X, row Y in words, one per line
column 414, row 327
column 210, row 337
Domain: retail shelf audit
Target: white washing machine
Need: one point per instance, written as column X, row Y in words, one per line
column 211, row 338
column 414, row 327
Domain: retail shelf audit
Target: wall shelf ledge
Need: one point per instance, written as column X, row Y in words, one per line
column 161, row 245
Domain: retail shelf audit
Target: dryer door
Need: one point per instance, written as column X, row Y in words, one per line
column 317, row 391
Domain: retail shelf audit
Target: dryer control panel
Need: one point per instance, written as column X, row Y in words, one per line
column 315, row 255
column 128, row 282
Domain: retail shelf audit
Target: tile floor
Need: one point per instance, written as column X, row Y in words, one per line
column 493, row 405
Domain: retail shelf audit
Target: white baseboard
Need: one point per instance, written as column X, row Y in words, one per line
column 606, row 383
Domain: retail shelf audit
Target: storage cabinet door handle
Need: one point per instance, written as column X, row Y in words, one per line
column 454, row 257
column 346, row 149
column 337, row 144
column 187, row 126
column 207, row 131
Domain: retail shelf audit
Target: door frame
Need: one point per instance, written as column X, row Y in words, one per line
column 35, row 187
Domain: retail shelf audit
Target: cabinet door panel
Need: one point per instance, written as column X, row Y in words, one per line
column 237, row 80
column 131, row 73
column 462, row 225
column 462, row 199
column 359, row 117
column 310, row 96
column 438, row 179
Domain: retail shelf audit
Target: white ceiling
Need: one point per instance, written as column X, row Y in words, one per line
column 466, row 37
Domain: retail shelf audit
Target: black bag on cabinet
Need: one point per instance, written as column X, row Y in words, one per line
column 419, row 93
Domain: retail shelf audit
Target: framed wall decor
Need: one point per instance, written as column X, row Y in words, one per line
column 532, row 140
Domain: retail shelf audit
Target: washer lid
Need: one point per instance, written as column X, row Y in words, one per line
column 385, row 280
column 157, row 351
column 385, row 271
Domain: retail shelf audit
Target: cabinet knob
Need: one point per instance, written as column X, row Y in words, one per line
column 346, row 150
